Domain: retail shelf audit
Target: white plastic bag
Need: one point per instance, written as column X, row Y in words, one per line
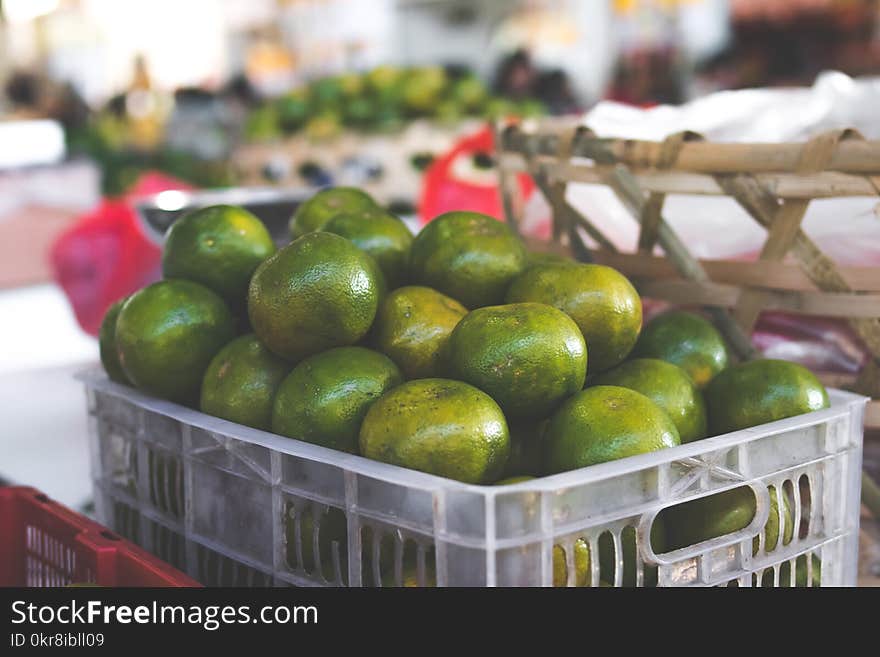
column 847, row 229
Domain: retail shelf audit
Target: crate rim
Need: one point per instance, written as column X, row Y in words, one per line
column 189, row 199
column 94, row 378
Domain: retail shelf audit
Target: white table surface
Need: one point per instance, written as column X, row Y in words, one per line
column 43, row 422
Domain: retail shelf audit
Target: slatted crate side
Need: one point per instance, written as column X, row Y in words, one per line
column 773, row 183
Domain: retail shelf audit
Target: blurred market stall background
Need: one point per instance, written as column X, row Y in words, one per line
column 103, row 102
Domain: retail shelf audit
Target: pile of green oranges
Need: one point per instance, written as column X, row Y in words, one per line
column 456, row 352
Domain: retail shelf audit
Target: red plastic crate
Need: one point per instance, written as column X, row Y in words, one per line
column 43, row 543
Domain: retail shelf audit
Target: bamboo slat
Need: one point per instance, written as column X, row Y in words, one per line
column 828, row 184
column 703, row 157
column 830, row 304
column 783, row 275
column 774, row 183
column 657, row 278
column 784, row 226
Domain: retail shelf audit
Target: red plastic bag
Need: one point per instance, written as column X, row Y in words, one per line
column 455, row 182
column 105, row 256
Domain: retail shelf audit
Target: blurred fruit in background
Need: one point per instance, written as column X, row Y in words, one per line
column 380, row 99
column 422, row 89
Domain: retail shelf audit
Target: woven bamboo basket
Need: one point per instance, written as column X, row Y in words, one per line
column 773, row 183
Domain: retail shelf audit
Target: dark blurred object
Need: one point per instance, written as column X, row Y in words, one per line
column 23, row 90
column 69, row 108
column 314, row 174
column 116, row 106
column 553, row 89
column 518, row 80
column 515, row 77
column 648, row 77
column 788, row 43
column 788, row 11
column 194, row 95
column 240, row 89
column 422, row 160
column 457, row 71
column 401, row 207
column 33, row 96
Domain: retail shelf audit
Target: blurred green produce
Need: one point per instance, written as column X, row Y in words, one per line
column 106, row 139
column 293, row 110
column 380, row 100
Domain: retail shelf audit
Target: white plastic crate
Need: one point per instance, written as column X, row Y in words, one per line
column 232, row 505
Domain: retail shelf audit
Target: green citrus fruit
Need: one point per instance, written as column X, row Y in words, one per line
column 422, row 88
column 318, row 292
column 382, row 235
column 167, row 334
column 412, row 327
column 293, row 109
column 531, row 108
column 262, row 124
column 527, row 356
column 384, row 78
column 241, row 382
column 802, row 576
column 220, row 247
column 326, row 124
column 499, row 108
column 360, row 112
column 761, row 391
column 602, row 302
column 724, row 513
column 536, row 258
column 666, row 385
column 107, row 344
column 353, row 85
column 447, row 111
column 327, row 91
column 469, row 93
column 686, row 340
column 604, row 423
column 314, row 213
column 447, row 428
column 469, row 256
column 581, row 556
column 325, row 397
